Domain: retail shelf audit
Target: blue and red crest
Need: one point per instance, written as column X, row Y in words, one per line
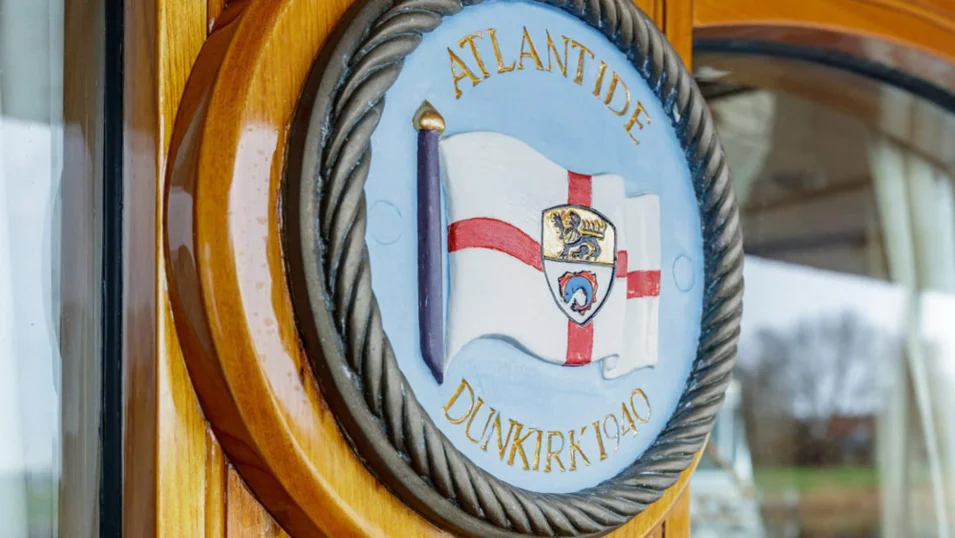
column 579, row 247
column 578, row 290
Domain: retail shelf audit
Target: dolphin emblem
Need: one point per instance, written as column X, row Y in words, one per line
column 578, row 290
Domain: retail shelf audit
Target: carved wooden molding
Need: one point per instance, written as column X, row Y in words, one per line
column 226, row 264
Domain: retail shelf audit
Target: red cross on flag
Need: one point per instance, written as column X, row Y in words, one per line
column 562, row 265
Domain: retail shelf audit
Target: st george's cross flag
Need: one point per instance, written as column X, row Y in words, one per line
column 562, row 265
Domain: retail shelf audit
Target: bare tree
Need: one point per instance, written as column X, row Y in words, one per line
column 824, row 368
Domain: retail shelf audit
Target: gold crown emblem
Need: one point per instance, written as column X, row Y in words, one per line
column 593, row 227
column 573, row 221
column 579, row 234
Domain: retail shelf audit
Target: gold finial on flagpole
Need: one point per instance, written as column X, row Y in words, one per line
column 428, row 119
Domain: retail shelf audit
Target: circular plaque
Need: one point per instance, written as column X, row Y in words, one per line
column 515, row 258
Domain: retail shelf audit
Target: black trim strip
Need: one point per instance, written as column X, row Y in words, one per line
column 942, row 97
column 111, row 421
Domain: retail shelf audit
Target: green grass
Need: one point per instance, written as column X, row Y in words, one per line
column 40, row 499
column 814, row 479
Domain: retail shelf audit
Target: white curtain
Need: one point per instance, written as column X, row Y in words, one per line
column 917, row 215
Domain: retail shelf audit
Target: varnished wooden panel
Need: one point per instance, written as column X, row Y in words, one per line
column 177, row 484
column 677, row 24
column 167, row 450
column 226, row 247
column 214, row 9
column 179, row 481
column 675, row 19
column 677, row 524
column 665, row 512
column 917, row 38
column 246, row 517
column 217, row 485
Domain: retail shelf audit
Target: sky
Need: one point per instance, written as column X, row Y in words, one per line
column 780, row 295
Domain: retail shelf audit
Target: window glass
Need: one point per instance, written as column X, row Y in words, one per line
column 31, row 169
column 840, row 421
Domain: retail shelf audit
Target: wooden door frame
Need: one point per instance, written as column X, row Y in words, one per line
column 902, row 42
column 91, row 257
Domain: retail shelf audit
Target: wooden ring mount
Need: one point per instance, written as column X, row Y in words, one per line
column 228, row 286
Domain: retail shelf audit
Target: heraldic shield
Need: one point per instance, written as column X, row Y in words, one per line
column 579, row 250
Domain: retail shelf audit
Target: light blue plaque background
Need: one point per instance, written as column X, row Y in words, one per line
column 567, row 124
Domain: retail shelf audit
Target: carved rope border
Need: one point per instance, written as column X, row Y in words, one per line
column 339, row 319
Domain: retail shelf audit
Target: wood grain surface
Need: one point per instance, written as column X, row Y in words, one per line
column 677, row 524
column 247, row 518
column 233, row 311
column 675, row 19
column 166, row 447
column 266, row 411
column 225, row 133
column 214, row 9
column 915, row 37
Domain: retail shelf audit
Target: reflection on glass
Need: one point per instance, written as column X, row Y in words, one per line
column 31, row 98
column 841, row 418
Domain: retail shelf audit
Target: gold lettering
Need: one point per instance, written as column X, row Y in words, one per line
column 512, row 443
column 501, row 444
column 459, row 70
column 537, row 449
column 454, row 398
column 579, row 79
column 467, row 428
column 518, row 445
column 532, row 54
column 552, row 53
column 600, row 79
column 645, row 399
column 616, row 431
column 469, row 39
column 575, row 448
column 600, row 441
column 551, row 453
column 501, row 68
column 628, row 424
column 634, row 120
column 613, row 88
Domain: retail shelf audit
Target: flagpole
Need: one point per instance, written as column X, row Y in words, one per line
column 430, row 125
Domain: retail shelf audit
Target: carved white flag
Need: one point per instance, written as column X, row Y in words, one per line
column 562, row 265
